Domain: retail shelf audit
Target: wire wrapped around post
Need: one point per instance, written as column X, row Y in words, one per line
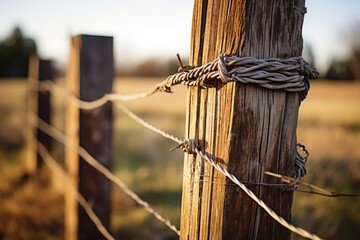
column 291, row 74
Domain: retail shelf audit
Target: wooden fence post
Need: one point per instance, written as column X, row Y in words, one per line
column 90, row 76
column 245, row 128
column 39, row 104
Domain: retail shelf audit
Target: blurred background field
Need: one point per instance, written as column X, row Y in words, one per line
column 144, row 52
column 329, row 126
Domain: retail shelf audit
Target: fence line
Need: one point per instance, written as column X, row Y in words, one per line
column 59, row 136
column 55, row 167
column 300, row 161
column 186, row 145
column 88, row 105
column 189, row 145
column 51, row 163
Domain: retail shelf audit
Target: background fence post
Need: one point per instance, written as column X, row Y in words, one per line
column 90, row 76
column 246, row 128
column 39, row 104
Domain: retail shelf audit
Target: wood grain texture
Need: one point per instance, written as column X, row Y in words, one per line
column 91, row 77
column 246, row 128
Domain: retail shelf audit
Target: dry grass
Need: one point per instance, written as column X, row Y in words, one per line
column 329, row 125
column 335, row 103
column 161, row 103
column 329, row 121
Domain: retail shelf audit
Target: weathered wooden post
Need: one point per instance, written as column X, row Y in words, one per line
column 40, row 70
column 245, row 128
column 90, row 76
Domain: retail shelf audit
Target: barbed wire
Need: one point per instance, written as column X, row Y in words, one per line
column 313, row 188
column 89, row 105
column 147, row 125
column 191, row 146
column 51, row 163
column 262, row 204
column 59, row 136
column 290, row 74
column 188, row 146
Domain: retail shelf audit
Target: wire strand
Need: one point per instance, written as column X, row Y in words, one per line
column 191, row 144
column 271, row 212
column 313, row 188
column 88, row 158
column 89, row 105
column 280, row 74
column 59, row 136
column 138, row 119
column 51, row 163
column 279, row 219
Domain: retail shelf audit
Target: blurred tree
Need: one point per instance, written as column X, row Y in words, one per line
column 349, row 68
column 339, row 70
column 152, row 67
column 354, row 62
column 308, row 54
column 15, row 52
column 149, row 67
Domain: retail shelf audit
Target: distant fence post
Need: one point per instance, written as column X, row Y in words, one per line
column 39, row 104
column 245, row 128
column 90, row 76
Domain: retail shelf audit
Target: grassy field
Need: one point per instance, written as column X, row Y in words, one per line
column 329, row 126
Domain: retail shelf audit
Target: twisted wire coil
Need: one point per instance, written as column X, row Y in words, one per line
column 291, row 74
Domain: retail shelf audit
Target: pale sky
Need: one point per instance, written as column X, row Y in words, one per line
column 153, row 28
